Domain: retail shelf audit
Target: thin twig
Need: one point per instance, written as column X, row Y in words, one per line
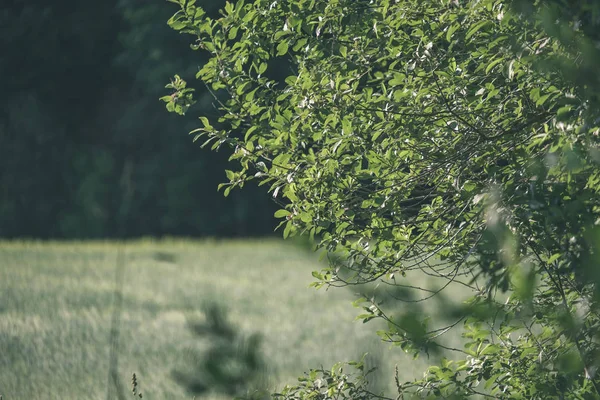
column 113, row 367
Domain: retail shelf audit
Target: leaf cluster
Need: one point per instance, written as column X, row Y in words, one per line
column 427, row 137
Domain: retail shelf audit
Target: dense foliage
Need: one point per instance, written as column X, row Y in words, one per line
column 85, row 149
column 454, row 139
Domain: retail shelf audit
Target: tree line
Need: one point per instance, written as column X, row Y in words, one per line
column 86, row 149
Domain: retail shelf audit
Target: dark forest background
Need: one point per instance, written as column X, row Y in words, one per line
column 86, row 148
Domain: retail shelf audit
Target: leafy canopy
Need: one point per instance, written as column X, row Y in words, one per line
column 454, row 139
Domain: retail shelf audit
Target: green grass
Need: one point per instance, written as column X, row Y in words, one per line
column 56, row 302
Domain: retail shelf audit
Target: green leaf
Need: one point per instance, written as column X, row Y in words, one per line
column 282, row 48
column 398, row 79
column 477, row 27
column 280, row 34
column 233, row 33
column 262, row 68
column 206, row 123
column 281, row 213
column 344, row 51
column 493, row 64
column 453, row 28
column 490, row 349
column 249, row 132
column 540, row 101
column 553, row 258
column 287, row 230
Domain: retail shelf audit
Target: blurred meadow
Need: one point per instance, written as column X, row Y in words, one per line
column 57, row 298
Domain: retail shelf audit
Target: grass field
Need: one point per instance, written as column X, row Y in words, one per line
column 56, row 301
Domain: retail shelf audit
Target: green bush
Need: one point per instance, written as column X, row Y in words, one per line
column 454, row 139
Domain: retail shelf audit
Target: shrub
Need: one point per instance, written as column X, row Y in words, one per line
column 453, row 139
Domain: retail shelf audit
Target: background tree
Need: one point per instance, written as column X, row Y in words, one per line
column 85, row 149
column 458, row 140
